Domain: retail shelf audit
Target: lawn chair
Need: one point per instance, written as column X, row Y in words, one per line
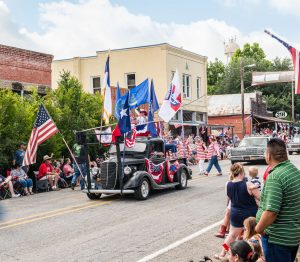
column 17, row 186
column 40, row 184
column 4, row 192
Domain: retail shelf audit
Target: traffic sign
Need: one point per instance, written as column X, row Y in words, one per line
column 281, row 114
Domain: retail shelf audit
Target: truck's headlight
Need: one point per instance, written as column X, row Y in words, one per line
column 127, row 170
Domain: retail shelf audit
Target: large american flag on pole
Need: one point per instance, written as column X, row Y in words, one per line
column 43, row 129
column 296, row 61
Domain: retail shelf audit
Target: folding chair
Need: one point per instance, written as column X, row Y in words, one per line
column 40, row 184
column 4, row 192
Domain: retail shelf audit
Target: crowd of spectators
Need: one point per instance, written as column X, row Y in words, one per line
column 262, row 221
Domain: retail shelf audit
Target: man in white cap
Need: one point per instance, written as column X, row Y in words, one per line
column 46, row 171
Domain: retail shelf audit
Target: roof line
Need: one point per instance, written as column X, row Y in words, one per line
column 153, row 45
column 27, row 50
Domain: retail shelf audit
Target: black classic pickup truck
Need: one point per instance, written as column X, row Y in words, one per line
column 137, row 170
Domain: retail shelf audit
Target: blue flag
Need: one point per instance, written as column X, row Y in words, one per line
column 118, row 105
column 153, row 106
column 138, row 95
column 124, row 121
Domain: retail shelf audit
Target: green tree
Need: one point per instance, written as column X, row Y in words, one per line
column 278, row 96
column 253, row 51
column 70, row 107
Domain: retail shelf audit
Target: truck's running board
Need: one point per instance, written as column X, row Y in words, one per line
column 107, row 191
column 165, row 186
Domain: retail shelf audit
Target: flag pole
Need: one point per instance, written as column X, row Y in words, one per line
column 122, row 175
column 182, row 132
column 74, row 159
column 293, row 102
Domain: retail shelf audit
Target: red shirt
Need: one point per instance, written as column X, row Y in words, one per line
column 266, row 174
column 44, row 169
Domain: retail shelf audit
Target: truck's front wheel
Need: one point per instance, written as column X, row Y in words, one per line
column 182, row 180
column 143, row 191
column 93, row 196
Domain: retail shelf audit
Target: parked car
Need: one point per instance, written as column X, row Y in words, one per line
column 294, row 145
column 138, row 170
column 250, row 149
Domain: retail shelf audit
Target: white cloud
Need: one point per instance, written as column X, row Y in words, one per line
column 286, row 6
column 80, row 29
column 10, row 33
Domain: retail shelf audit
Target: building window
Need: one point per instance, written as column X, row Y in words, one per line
column 96, row 85
column 187, row 116
column 199, row 117
column 186, row 86
column 198, row 87
column 130, row 78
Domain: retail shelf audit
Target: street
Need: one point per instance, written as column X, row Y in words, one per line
column 66, row 226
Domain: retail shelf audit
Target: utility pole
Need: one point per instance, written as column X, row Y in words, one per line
column 242, row 69
column 242, row 97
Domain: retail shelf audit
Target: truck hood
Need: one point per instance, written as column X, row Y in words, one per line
column 130, row 161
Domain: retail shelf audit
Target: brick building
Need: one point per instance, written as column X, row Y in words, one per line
column 226, row 110
column 21, row 69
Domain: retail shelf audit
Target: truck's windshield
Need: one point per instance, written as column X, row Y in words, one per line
column 296, row 139
column 138, row 147
column 254, row 142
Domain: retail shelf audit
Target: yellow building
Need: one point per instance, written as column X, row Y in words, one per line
column 130, row 66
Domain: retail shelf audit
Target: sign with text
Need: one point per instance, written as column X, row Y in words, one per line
column 281, row 114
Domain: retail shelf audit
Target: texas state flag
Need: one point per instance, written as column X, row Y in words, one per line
column 124, row 120
column 172, row 101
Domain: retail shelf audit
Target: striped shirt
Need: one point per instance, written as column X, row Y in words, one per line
column 281, row 194
column 183, row 149
column 201, row 148
column 213, row 150
column 256, row 182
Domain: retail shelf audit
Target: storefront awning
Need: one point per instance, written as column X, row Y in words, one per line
column 186, row 123
column 271, row 119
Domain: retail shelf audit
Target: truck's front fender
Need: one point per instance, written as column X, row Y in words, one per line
column 136, row 179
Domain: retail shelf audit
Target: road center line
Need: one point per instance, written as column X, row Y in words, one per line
column 179, row 242
column 37, row 217
column 46, row 213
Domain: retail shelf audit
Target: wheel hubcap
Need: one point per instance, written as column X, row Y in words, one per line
column 145, row 189
column 183, row 178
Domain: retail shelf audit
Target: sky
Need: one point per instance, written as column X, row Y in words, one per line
column 69, row 28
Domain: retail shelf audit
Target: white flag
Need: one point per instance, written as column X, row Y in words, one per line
column 107, row 96
column 104, row 137
column 172, row 101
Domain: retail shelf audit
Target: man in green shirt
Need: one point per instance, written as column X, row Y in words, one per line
column 278, row 217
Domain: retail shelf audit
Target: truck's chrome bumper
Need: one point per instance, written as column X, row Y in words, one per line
column 246, row 158
column 107, row 191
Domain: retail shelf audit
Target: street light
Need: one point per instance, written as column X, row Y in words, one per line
column 242, row 94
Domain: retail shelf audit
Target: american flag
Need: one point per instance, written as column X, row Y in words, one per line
column 130, row 138
column 296, row 61
column 43, row 129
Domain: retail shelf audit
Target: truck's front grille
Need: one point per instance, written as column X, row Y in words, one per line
column 295, row 146
column 247, row 152
column 108, row 176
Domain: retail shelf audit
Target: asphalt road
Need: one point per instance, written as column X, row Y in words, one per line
column 67, row 226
